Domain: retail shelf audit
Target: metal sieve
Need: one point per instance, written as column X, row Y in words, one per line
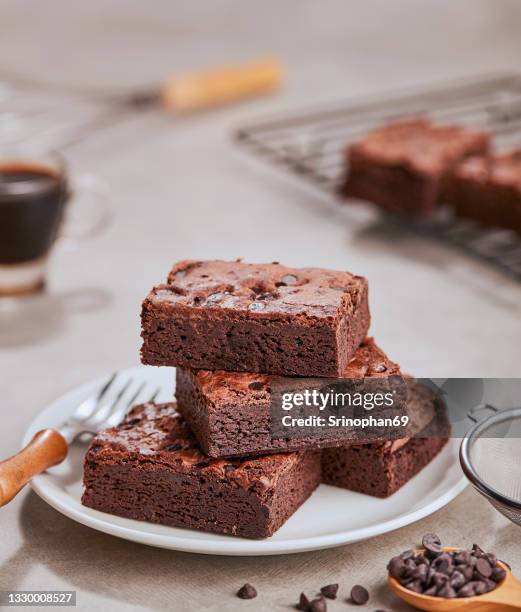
column 490, row 455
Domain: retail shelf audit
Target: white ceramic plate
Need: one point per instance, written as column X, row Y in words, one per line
column 331, row 517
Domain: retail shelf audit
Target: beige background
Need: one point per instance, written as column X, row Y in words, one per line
column 181, row 189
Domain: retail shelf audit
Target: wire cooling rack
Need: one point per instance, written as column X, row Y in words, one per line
column 312, row 144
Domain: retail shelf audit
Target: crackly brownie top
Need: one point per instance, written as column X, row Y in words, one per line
column 261, row 289
column 157, row 434
column 501, row 170
column 419, row 144
column 224, row 387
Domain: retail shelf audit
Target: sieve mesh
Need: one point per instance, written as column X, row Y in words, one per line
column 494, row 454
column 497, row 462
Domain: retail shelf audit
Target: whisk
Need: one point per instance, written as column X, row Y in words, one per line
column 59, row 118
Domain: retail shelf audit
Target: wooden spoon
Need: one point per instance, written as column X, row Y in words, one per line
column 506, row 596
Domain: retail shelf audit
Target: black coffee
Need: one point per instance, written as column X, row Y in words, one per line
column 32, row 200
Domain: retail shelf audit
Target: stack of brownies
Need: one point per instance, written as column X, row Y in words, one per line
column 413, row 165
column 210, row 462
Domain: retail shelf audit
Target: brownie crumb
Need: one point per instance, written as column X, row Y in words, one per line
column 247, row 591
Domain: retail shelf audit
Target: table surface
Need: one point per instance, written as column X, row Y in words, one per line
column 181, row 189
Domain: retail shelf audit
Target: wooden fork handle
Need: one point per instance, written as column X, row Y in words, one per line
column 47, row 448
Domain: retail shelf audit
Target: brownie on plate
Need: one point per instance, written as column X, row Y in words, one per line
column 488, row 190
column 149, row 468
column 234, row 316
column 229, row 412
column 402, row 166
column 380, row 469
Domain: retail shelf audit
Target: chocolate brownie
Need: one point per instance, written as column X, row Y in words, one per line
column 229, row 412
column 488, row 190
column 234, row 316
column 149, row 468
column 380, row 469
column 402, row 166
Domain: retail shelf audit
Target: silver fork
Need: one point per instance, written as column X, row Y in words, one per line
column 49, row 447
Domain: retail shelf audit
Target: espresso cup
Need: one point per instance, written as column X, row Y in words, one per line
column 35, row 193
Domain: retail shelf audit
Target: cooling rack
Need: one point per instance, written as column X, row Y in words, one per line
column 311, row 145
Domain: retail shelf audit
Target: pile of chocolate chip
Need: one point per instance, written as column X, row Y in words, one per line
column 461, row 573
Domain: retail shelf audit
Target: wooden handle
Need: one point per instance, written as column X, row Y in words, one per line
column 47, row 448
column 204, row 89
column 506, row 597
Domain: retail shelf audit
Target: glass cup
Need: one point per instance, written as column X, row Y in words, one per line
column 36, row 193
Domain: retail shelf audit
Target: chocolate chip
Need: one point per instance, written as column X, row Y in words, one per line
column 491, row 558
column 431, row 591
column 396, row 567
column 431, row 572
column 415, row 586
column 256, row 385
column 420, row 573
column 303, row 602
column 442, row 563
column 318, row 605
column 462, row 556
column 477, row 551
column 466, row 570
column 407, row 554
column 498, row 574
column 447, row 591
column 467, row 590
column 439, row 579
column 479, row 587
column 483, row 568
column 330, row 591
column 247, row 591
column 457, row 579
column 359, row 595
column 432, row 544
